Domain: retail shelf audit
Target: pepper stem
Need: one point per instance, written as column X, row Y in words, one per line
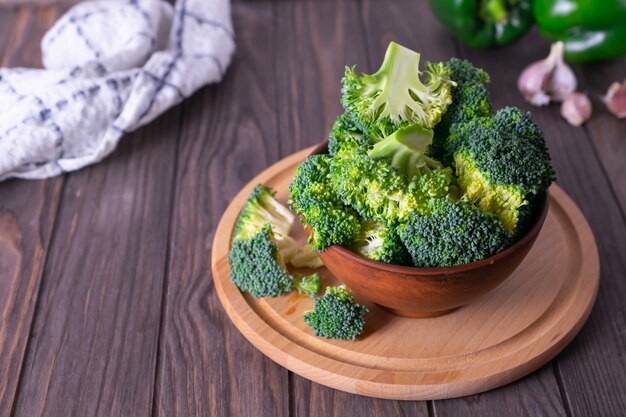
column 494, row 10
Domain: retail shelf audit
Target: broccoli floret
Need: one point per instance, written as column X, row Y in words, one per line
column 470, row 99
column 259, row 209
column 376, row 190
column 501, row 163
column 256, row 265
column 261, row 245
column 464, row 72
column 331, row 222
column 306, row 258
column 453, row 233
column 309, row 285
column 406, row 148
column 336, row 315
column 345, row 138
column 381, row 243
column 395, row 96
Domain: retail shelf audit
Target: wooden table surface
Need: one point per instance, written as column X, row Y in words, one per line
column 106, row 299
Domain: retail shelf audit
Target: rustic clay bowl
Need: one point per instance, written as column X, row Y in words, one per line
column 427, row 292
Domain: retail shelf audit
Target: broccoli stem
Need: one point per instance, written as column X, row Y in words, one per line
column 407, row 147
column 399, row 81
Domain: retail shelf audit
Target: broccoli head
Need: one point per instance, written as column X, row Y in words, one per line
column 330, row 221
column 381, row 243
column 470, row 99
column 336, row 315
column 378, row 191
column 395, row 96
column 256, row 265
column 345, row 138
column 453, row 233
column 501, row 163
column 261, row 246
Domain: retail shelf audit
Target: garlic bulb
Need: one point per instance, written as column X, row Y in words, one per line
column 576, row 109
column 550, row 79
column 615, row 99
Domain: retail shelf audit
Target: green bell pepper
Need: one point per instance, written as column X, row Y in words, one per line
column 591, row 30
column 484, row 23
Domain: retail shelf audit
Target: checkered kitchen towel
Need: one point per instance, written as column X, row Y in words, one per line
column 111, row 66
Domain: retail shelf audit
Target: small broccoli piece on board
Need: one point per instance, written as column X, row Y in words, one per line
column 395, row 95
column 309, row 284
column 261, row 245
column 336, row 315
column 453, row 233
column 257, row 267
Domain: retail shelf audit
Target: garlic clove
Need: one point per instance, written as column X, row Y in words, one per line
column 576, row 109
column 615, row 99
column 550, row 79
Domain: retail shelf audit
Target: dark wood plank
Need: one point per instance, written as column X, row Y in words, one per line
column 608, row 134
column 414, row 26
column 315, row 41
column 535, row 395
column 206, row 367
column 592, row 369
column 27, row 213
column 310, row 399
column 93, row 348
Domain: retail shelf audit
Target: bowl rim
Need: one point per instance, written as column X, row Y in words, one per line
column 532, row 233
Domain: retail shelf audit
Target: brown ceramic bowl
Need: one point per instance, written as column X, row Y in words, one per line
column 427, row 292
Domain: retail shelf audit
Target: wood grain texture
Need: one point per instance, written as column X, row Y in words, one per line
column 499, row 338
column 27, row 213
column 315, row 41
column 607, row 133
column 206, row 368
column 592, row 370
column 429, row 37
column 93, row 347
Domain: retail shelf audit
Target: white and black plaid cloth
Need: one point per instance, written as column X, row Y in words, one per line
column 110, row 67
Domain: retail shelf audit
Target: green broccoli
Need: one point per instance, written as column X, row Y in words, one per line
column 345, row 138
column 470, row 99
column 453, row 233
column 502, row 163
column 261, row 245
column 256, row 265
column 259, row 209
column 309, row 285
column 381, row 243
column 336, row 315
column 376, row 190
column 406, row 148
column 395, row 96
column 311, row 196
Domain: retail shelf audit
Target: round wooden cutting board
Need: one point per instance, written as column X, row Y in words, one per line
column 495, row 340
